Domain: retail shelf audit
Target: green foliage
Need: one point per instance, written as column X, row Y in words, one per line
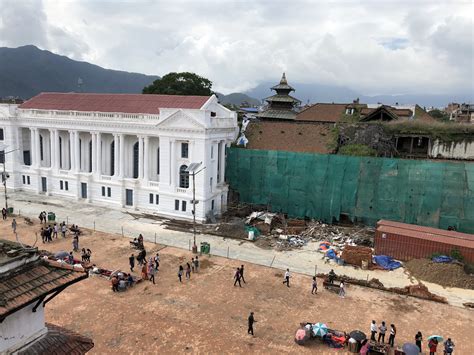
column 184, row 83
column 360, row 150
column 439, row 115
column 445, row 132
column 456, row 254
column 334, row 139
column 354, row 118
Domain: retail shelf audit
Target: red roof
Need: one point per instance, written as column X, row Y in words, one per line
column 123, row 103
column 426, row 230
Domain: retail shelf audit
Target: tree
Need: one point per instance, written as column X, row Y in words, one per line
column 439, row 115
column 184, row 83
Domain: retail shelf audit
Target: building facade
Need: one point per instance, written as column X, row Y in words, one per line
column 130, row 151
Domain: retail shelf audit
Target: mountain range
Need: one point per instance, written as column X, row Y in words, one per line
column 26, row 71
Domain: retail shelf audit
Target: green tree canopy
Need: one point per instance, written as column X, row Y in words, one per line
column 184, row 83
column 439, row 115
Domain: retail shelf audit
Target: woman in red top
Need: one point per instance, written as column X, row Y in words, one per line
column 433, row 344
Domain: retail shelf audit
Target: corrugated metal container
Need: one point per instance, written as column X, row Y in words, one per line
column 407, row 241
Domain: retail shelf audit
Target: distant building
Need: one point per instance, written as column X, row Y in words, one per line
column 27, row 283
column 281, row 106
column 121, row 150
column 461, row 112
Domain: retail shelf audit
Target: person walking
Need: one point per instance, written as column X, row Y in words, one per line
column 180, row 273
column 342, row 290
column 418, row 340
column 131, row 261
column 4, row 213
column 84, row 255
column 237, row 277
column 448, row 346
column 43, row 235
column 55, row 231
column 75, row 243
column 48, row 234
column 314, row 289
column 64, row 230
column 88, row 254
column 251, row 322
column 287, row 278
column 157, row 261
column 433, row 344
column 188, row 271
column 242, row 273
column 393, row 332
column 382, row 331
column 14, row 226
column 144, row 270
column 115, row 284
column 196, row 264
column 192, row 265
column 70, row 258
column 151, row 271
column 373, row 330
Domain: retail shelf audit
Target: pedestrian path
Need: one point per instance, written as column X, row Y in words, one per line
column 127, row 223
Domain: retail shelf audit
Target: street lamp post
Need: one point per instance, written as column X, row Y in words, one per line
column 192, row 169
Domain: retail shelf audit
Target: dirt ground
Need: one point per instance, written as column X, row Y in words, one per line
column 209, row 315
column 448, row 275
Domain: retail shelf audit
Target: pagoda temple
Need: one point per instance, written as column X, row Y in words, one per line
column 281, row 106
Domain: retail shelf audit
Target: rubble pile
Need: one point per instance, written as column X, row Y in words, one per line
column 356, row 255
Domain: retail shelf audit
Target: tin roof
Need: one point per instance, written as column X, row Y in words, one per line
column 429, row 230
column 426, row 235
column 33, row 281
column 123, row 103
column 58, row 340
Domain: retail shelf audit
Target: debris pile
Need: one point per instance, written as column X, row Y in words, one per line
column 357, row 255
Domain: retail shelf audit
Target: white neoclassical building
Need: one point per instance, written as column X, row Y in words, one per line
column 119, row 149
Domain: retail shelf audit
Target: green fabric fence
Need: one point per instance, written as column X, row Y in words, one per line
column 436, row 194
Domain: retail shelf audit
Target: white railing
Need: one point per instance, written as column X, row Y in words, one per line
column 181, row 190
column 82, row 114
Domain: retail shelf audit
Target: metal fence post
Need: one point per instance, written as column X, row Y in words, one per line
column 122, row 231
column 155, row 237
column 67, row 220
column 228, row 252
column 94, row 225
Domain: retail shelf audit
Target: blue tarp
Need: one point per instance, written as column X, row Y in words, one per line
column 442, row 259
column 331, row 254
column 387, row 262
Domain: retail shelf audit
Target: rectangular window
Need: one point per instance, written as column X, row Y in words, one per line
column 210, row 183
column 61, row 184
column 41, row 147
column 157, row 199
column 109, row 192
column 183, row 206
column 212, row 205
column 103, row 190
column 213, row 114
column 66, row 185
column 219, row 158
column 28, row 180
column 150, row 199
column 184, row 150
column 2, row 156
column 212, row 151
column 176, row 205
column 1, row 134
column 24, row 179
column 158, row 161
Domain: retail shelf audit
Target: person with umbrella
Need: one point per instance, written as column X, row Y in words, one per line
column 432, row 344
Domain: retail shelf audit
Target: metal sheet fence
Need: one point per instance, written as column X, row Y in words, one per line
column 436, row 194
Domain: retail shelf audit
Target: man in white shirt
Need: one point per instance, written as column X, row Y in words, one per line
column 373, row 330
column 287, row 278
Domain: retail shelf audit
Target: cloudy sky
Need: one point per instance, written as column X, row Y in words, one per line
column 374, row 47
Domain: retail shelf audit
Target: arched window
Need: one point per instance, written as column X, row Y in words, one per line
column 112, row 158
column 183, row 177
column 135, row 160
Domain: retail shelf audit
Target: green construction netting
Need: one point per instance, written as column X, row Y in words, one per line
column 437, row 194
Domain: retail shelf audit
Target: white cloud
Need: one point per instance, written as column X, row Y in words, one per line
column 238, row 44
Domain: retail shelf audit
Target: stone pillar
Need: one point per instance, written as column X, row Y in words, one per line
column 146, row 158
column 172, row 160
column 57, row 159
column 77, row 156
column 222, row 163
column 122, row 155
column 94, row 152
column 98, row 158
column 52, row 144
column 71, row 151
column 37, row 148
column 33, row 147
column 140, row 157
column 116, row 155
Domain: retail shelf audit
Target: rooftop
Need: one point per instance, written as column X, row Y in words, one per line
column 122, row 103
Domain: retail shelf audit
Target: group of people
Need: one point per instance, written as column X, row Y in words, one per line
column 191, row 267
column 239, row 276
column 121, row 281
column 86, row 255
column 382, row 330
column 51, row 231
column 137, row 243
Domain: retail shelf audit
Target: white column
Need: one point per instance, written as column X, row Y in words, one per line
column 116, row 155
column 52, row 145
column 32, row 147
column 94, row 152
column 77, row 164
column 122, row 155
column 172, row 160
column 37, row 148
column 222, row 172
column 72, row 163
column 98, row 147
column 140, row 157
column 57, row 160
column 146, row 157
